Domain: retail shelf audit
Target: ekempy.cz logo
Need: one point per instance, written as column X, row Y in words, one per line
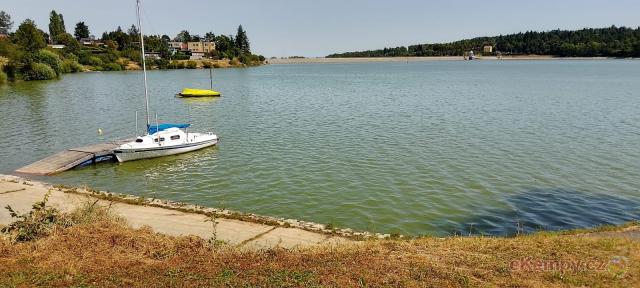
column 618, row 265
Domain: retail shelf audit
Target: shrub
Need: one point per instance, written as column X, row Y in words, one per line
column 84, row 57
column 192, row 65
column 109, row 56
column 50, row 58
column 39, row 71
column 95, row 61
column 44, row 220
column 180, row 56
column 112, row 67
column 71, row 56
column 234, row 62
column 245, row 59
column 180, row 65
column 39, row 222
column 161, row 63
column 217, row 65
column 123, row 62
column 3, row 77
column 207, row 64
column 71, row 66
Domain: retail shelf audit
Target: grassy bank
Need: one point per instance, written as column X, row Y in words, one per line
column 92, row 247
column 26, row 55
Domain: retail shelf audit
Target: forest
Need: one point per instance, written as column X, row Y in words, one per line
column 589, row 42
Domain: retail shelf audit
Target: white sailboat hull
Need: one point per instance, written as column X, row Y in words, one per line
column 124, row 155
column 164, row 143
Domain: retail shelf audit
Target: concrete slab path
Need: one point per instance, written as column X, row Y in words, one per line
column 20, row 194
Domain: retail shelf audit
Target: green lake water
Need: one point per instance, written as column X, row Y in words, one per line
column 418, row 148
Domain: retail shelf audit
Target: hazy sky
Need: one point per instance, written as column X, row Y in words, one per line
column 318, row 28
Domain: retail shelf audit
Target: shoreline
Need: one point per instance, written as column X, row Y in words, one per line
column 10, row 185
column 7, row 183
column 324, row 60
column 114, row 243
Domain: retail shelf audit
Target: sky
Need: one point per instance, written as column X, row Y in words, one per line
column 318, row 28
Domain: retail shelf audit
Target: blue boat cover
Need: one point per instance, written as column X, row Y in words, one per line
column 155, row 128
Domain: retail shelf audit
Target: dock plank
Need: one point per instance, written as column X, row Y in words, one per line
column 68, row 159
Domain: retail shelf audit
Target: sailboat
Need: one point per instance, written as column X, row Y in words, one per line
column 161, row 139
column 190, row 92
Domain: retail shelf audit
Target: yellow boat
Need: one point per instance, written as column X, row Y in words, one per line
column 188, row 92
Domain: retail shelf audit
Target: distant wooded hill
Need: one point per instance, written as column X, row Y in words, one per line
column 588, row 42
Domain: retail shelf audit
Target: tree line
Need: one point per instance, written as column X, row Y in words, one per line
column 27, row 56
column 589, row 42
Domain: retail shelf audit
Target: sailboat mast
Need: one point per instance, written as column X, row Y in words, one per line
column 144, row 65
column 211, row 77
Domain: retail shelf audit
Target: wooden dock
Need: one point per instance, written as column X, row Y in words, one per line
column 71, row 158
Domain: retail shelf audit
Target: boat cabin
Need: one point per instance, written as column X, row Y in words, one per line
column 171, row 136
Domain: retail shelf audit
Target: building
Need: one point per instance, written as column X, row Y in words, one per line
column 152, row 55
column 487, row 49
column 196, row 55
column 177, row 47
column 91, row 41
column 56, row 46
column 201, row 47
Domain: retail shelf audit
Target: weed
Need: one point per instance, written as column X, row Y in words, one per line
column 38, row 222
column 43, row 220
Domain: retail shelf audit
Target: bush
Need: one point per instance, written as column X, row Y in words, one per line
column 192, row 65
column 234, row 62
column 123, row 62
column 112, row 67
column 180, row 56
column 52, row 59
column 84, row 57
column 245, row 59
column 207, row 64
column 3, row 77
column 160, row 63
column 217, row 65
column 180, row 65
column 39, row 71
column 133, row 54
column 71, row 66
column 95, row 61
column 71, row 56
column 44, row 220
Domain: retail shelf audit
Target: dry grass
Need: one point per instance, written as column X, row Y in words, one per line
column 106, row 253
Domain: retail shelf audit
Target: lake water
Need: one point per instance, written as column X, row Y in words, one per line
column 414, row 148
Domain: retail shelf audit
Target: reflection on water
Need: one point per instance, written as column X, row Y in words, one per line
column 550, row 209
column 418, row 148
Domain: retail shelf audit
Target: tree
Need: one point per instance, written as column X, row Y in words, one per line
column 56, row 24
column 242, row 41
column 209, row 37
column 612, row 42
column 71, row 44
column 183, row 36
column 29, row 37
column 123, row 40
column 81, row 31
column 133, row 32
column 225, row 46
column 5, row 23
